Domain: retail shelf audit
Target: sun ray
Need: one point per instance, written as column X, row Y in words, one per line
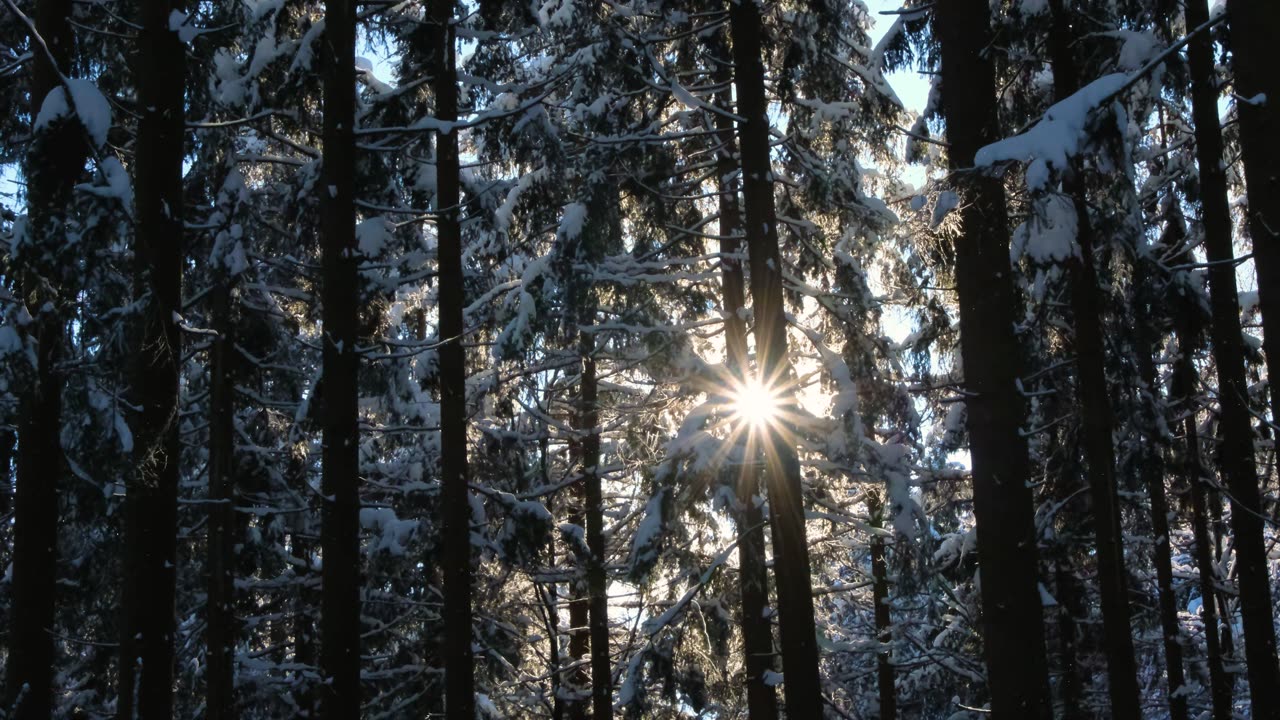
column 756, row 404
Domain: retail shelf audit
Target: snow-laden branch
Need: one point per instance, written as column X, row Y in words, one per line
column 1059, row 134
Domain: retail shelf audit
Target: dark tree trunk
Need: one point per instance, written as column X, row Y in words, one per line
column 220, row 632
column 147, row 652
column 53, row 164
column 8, row 449
column 1063, row 454
column 1152, row 471
column 1219, row 681
column 1237, row 454
column 1097, row 420
column 1255, row 25
column 339, row 694
column 304, row 626
column 753, row 576
column 1068, row 606
column 802, row 688
column 884, row 626
column 1153, row 477
column 597, row 589
column 579, row 618
column 1013, row 623
column 455, row 506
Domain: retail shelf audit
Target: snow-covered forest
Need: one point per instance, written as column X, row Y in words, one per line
column 606, row 359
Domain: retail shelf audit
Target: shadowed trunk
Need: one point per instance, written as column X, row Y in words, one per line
column 53, row 164
column 753, row 577
column 1097, row 418
column 1255, row 26
column 802, row 688
column 220, row 567
column 339, row 695
column 1237, row 450
column 597, row 590
column 455, row 506
column 1012, row 618
column 147, row 652
column 1185, row 383
column 884, row 626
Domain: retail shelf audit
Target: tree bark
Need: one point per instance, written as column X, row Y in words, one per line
column 147, row 652
column 753, row 576
column 220, row 631
column 339, row 694
column 455, row 506
column 597, row 589
column 1122, row 671
column 54, row 162
column 1254, row 28
column 1152, row 471
column 1013, row 623
column 1237, row 452
column 579, row 618
column 1219, row 681
column 884, row 626
column 802, row 687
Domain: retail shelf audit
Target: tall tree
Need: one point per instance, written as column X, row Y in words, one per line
column 1183, row 387
column 1012, row 619
column 1237, row 452
column 55, row 160
column 219, row 562
column 147, row 643
column 454, row 506
column 593, row 499
column 884, row 625
column 753, row 583
column 1254, row 27
column 802, row 689
column 340, row 694
column 1095, row 406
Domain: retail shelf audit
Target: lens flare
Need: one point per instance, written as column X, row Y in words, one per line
column 755, row 404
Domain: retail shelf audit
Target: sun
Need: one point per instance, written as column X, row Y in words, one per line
column 755, row 404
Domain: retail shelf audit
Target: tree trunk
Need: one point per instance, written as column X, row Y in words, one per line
column 220, row 632
column 147, row 652
column 339, row 694
column 1153, row 473
column 1254, row 28
column 1122, row 671
column 1219, row 681
column 1237, row 454
column 884, row 626
column 579, row 616
column 597, row 590
column 753, row 576
column 53, row 164
column 1013, row 623
column 802, row 687
column 8, row 449
column 1068, row 606
column 455, row 506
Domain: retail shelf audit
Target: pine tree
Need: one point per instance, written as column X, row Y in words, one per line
column 1236, row 452
column 147, row 641
column 1253, row 25
column 802, row 689
column 54, row 162
column 1096, row 413
column 1013, row 631
column 455, row 507
column 340, row 626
